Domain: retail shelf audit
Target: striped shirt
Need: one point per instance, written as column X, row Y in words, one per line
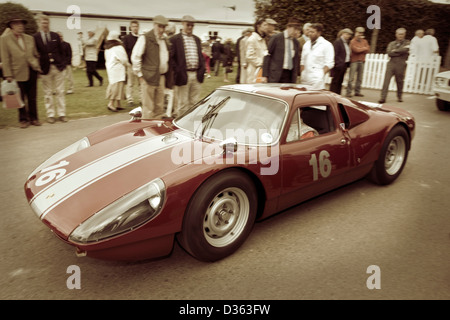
column 191, row 52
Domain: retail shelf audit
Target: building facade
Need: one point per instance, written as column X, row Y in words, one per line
column 71, row 25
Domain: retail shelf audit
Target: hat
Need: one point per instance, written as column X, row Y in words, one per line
column 294, row 22
column 347, row 30
column 16, row 19
column 360, row 29
column 271, row 21
column 188, row 18
column 160, row 20
column 113, row 35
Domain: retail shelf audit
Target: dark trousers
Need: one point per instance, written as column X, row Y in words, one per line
column 338, row 78
column 91, row 71
column 28, row 92
column 286, row 76
column 396, row 69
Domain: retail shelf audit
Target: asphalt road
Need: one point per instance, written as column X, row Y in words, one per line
column 321, row 249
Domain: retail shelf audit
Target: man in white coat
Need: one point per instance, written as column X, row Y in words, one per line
column 317, row 58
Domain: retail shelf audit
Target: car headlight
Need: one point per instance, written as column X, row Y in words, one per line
column 441, row 82
column 64, row 153
column 125, row 214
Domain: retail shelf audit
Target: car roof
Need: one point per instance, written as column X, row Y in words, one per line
column 285, row 91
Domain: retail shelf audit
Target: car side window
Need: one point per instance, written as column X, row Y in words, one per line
column 310, row 121
column 298, row 129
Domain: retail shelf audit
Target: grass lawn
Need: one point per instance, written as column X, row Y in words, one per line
column 88, row 102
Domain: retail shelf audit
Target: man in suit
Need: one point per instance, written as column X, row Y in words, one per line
column 129, row 41
column 20, row 62
column 67, row 54
column 342, row 54
column 282, row 62
column 52, row 62
column 188, row 65
column 217, row 52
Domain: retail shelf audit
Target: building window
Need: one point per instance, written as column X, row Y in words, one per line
column 213, row 34
column 123, row 30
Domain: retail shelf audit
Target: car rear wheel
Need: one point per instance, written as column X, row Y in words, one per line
column 220, row 216
column 392, row 158
column 443, row 105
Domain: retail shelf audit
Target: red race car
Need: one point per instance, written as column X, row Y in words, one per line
column 243, row 153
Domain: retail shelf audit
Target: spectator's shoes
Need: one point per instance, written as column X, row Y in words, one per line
column 62, row 119
column 36, row 123
column 51, row 120
column 23, row 124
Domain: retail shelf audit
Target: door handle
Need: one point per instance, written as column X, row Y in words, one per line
column 343, row 141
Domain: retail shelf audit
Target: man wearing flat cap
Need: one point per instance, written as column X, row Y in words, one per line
column 282, row 62
column 271, row 28
column 188, row 65
column 151, row 64
column 359, row 47
column 20, row 62
column 341, row 59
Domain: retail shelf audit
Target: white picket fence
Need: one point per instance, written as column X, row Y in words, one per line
column 418, row 77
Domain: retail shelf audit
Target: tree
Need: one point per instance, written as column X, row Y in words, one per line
column 10, row 9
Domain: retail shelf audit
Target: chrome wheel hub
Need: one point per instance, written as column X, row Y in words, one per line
column 226, row 217
column 395, row 155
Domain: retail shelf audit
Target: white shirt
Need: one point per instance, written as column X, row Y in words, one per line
column 288, row 43
column 430, row 46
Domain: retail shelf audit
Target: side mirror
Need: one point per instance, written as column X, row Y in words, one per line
column 136, row 113
column 343, row 127
column 229, row 145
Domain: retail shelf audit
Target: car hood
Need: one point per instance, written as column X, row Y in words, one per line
column 119, row 160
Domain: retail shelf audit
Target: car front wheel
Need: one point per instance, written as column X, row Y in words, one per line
column 392, row 158
column 220, row 216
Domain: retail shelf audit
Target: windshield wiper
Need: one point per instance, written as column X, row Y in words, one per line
column 211, row 114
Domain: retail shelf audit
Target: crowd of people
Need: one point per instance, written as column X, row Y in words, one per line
column 24, row 57
column 162, row 61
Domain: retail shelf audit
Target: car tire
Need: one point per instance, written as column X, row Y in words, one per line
column 443, row 105
column 392, row 158
column 220, row 216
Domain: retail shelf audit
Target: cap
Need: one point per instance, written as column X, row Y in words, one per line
column 271, row 21
column 16, row 19
column 161, row 20
column 347, row 30
column 188, row 18
column 360, row 29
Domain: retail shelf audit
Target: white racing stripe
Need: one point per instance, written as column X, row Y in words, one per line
column 68, row 185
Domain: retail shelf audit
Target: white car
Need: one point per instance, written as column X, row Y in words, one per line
column 441, row 89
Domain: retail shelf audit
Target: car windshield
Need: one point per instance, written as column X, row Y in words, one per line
column 249, row 118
